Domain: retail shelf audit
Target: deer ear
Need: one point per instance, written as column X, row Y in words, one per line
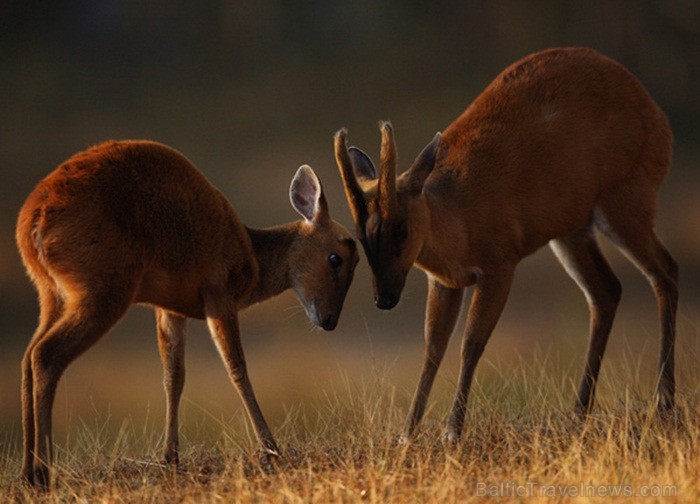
column 362, row 165
column 306, row 195
column 423, row 165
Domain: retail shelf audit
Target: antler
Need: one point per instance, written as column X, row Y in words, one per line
column 387, row 177
column 353, row 191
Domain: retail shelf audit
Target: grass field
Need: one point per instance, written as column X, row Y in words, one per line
column 340, row 444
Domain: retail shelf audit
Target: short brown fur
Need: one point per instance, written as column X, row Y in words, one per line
column 135, row 222
column 560, row 143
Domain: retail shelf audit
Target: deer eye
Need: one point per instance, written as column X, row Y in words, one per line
column 335, row 260
column 400, row 231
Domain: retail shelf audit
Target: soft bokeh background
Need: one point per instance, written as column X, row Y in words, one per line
column 251, row 90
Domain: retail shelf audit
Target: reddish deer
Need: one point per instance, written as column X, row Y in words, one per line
column 135, row 222
column 561, row 143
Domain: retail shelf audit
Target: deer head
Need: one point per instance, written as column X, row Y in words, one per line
column 390, row 213
column 323, row 260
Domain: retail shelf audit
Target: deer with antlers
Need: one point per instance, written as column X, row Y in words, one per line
column 135, row 222
column 562, row 143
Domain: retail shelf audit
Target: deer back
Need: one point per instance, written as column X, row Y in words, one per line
column 145, row 207
column 549, row 136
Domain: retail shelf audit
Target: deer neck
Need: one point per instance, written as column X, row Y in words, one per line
column 272, row 248
column 446, row 253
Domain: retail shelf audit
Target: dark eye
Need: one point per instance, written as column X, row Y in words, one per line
column 400, row 231
column 335, row 260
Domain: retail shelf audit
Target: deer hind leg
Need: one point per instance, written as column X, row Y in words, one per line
column 583, row 261
column 51, row 307
column 441, row 312
column 171, row 344
column 84, row 320
column 628, row 220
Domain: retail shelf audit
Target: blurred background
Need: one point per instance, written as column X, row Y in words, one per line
column 251, row 90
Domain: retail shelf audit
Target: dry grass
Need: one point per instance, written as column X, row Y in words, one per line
column 519, row 440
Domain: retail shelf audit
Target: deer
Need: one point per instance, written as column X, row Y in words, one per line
column 135, row 222
column 561, row 144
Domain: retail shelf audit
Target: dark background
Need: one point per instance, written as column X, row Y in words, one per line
column 251, row 90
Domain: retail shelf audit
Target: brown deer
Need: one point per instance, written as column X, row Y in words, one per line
column 135, row 222
column 561, row 143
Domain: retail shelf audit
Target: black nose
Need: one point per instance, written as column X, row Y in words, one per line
column 329, row 323
column 386, row 301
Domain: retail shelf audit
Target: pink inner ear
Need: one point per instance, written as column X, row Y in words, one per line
column 305, row 193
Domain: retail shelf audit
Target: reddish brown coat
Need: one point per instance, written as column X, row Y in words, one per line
column 135, row 222
column 561, row 143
